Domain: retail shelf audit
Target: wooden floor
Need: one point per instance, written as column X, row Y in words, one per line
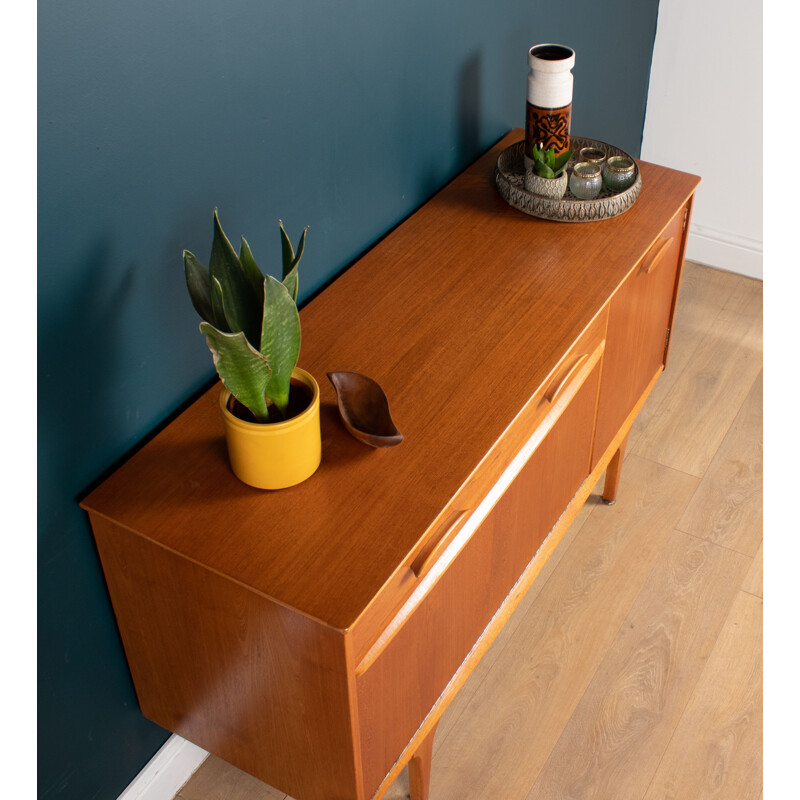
column 633, row 668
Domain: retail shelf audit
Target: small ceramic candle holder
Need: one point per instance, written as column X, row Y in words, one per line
column 586, row 180
column 619, row 172
column 593, row 155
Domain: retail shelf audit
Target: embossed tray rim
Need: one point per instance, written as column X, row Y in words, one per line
column 510, row 182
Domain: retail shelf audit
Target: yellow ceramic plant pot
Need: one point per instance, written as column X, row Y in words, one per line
column 275, row 455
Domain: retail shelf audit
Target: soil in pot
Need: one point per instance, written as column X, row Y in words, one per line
column 300, row 397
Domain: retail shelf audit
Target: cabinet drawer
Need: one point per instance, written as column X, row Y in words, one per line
column 489, row 478
column 434, row 632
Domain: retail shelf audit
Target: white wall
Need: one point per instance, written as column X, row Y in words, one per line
column 704, row 116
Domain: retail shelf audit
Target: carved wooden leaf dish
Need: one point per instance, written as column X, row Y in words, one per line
column 364, row 409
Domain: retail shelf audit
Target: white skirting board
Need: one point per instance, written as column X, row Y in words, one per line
column 166, row 772
column 725, row 251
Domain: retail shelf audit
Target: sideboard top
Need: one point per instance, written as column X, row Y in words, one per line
column 460, row 314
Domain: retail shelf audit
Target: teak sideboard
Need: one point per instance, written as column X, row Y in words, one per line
column 313, row 636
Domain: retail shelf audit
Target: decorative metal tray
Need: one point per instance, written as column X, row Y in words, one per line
column 509, row 176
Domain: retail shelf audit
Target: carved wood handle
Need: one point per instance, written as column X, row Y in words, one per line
column 427, row 557
column 652, row 262
column 560, row 382
column 421, row 565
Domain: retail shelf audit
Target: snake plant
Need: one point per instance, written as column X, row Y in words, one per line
column 250, row 319
column 546, row 164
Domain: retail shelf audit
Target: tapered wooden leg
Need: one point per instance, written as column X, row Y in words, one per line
column 613, row 473
column 419, row 769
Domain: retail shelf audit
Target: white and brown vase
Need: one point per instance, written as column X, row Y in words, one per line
column 549, row 106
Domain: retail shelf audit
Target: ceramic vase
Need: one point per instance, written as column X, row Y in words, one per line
column 549, row 106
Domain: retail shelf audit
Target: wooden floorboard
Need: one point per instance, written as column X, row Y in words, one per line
column 727, row 508
column 217, row 780
column 617, row 735
column 632, row 669
column 541, row 675
column 716, row 749
column 693, row 418
column 754, row 582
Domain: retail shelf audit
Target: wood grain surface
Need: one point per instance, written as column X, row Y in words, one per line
column 411, row 673
column 695, row 415
column 686, row 686
column 463, row 700
column 637, row 324
column 728, row 505
column 452, row 396
column 716, row 749
column 754, row 582
column 628, row 713
column 254, row 682
column 313, row 636
column 217, row 779
column 550, row 661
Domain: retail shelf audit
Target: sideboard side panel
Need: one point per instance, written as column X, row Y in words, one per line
column 253, row 682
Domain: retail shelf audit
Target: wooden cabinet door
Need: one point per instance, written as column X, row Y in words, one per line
column 401, row 686
column 636, row 340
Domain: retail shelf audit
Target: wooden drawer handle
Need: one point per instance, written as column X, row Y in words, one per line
column 649, row 265
column 421, row 565
column 427, row 558
column 560, row 382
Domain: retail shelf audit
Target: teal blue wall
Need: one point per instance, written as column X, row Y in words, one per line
column 344, row 115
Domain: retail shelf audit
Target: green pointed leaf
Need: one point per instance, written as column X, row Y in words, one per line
column 251, row 269
column 545, row 171
column 287, row 251
column 291, row 278
column 227, row 313
column 280, row 339
column 242, row 309
column 218, row 307
column 301, row 246
column 198, row 281
column 292, row 284
column 550, row 158
column 538, row 156
column 243, row 370
column 562, row 160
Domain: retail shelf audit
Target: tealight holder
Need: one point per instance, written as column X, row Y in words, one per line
column 586, row 180
column 592, row 155
column 619, row 173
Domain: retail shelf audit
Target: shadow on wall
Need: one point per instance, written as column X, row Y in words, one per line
column 81, row 361
column 467, row 123
column 469, row 110
column 78, row 646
